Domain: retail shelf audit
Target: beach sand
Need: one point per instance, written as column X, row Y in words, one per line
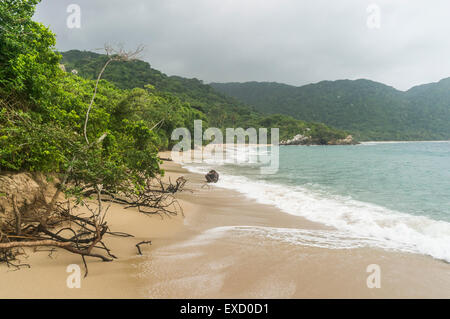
column 203, row 255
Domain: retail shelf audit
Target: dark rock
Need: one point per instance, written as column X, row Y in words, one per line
column 212, row 176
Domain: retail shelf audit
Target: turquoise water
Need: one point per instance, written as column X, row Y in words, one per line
column 390, row 195
column 413, row 178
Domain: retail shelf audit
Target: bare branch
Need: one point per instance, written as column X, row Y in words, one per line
column 113, row 55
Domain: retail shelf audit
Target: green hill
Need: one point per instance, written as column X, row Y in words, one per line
column 369, row 110
column 221, row 110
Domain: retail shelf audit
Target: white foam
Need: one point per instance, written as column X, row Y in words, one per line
column 330, row 239
column 400, row 142
column 365, row 223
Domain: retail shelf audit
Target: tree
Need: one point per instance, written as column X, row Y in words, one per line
column 28, row 64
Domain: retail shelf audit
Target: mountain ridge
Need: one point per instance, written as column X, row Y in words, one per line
column 222, row 111
column 371, row 110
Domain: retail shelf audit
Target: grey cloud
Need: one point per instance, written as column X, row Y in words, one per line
column 289, row 41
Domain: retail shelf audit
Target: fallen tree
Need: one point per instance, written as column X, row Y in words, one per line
column 56, row 225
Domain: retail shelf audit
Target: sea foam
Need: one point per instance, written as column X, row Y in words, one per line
column 357, row 223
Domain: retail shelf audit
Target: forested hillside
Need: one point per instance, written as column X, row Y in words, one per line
column 369, row 110
column 220, row 110
column 72, row 138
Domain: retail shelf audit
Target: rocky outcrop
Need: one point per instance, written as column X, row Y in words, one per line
column 301, row 139
column 344, row 141
column 298, row 139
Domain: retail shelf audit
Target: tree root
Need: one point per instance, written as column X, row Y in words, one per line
column 34, row 225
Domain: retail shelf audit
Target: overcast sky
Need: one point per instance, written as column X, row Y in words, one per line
column 288, row 41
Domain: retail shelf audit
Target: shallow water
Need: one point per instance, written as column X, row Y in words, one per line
column 387, row 195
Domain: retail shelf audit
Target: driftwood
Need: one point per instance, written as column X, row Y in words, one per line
column 58, row 228
column 81, row 234
column 138, row 245
column 157, row 198
column 47, row 242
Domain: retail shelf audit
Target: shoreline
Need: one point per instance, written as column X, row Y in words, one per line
column 328, row 273
column 219, row 250
column 393, row 142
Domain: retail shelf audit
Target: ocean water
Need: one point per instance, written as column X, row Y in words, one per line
column 393, row 195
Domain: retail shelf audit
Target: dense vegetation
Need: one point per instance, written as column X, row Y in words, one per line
column 220, row 110
column 102, row 144
column 43, row 108
column 43, row 111
column 369, row 110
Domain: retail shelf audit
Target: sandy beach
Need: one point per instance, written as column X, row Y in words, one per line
column 219, row 249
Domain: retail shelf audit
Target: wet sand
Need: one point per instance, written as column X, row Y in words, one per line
column 223, row 263
column 204, row 255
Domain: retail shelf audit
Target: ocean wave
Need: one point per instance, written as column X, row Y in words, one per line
column 364, row 223
column 330, row 239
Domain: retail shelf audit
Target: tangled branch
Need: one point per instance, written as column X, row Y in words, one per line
column 34, row 226
column 156, row 198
